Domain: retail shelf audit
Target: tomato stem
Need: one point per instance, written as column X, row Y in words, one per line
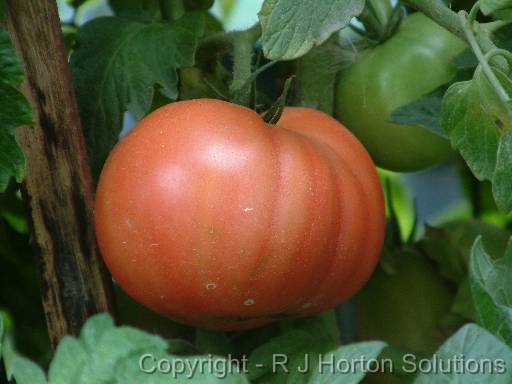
column 273, row 115
column 467, row 22
column 444, row 16
column 441, row 14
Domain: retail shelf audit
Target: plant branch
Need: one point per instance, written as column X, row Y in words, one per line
column 444, row 16
column 242, row 60
column 243, row 44
column 441, row 14
column 467, row 22
column 493, row 26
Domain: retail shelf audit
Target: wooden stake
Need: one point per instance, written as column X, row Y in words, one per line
column 58, row 187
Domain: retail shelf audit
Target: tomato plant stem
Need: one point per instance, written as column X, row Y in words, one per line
column 440, row 13
column 467, row 23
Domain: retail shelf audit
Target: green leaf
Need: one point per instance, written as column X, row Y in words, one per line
column 142, row 10
column 322, row 326
column 292, row 27
column 470, row 343
column 118, row 73
column 465, row 60
column 25, row 371
column 472, row 132
column 94, row 329
column 316, row 75
column 11, row 70
column 113, row 347
column 477, row 123
column 69, row 361
column 302, row 339
column 288, row 348
column 492, row 291
column 17, row 367
column 275, row 112
column 12, row 159
column 502, row 179
column 426, row 112
column 463, row 302
column 326, row 375
column 14, row 111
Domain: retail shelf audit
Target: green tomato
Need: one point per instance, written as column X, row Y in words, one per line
column 414, row 61
column 405, row 304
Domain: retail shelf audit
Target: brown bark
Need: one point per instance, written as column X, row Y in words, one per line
column 58, row 185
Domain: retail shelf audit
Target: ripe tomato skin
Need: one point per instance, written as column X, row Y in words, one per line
column 208, row 215
column 413, row 62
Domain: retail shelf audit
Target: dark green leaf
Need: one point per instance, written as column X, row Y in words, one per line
column 142, row 10
column 492, row 291
column 470, row 343
column 12, row 159
column 323, row 326
column 292, row 27
column 465, row 59
column 450, row 245
column 276, row 110
column 426, row 111
column 11, row 70
column 353, row 352
column 14, row 111
column 316, row 75
column 307, row 338
column 118, row 73
column 76, row 3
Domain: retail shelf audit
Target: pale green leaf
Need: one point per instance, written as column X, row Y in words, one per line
column 491, row 290
column 292, row 27
column 502, row 181
column 475, row 348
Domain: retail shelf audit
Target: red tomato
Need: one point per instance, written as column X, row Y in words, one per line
column 208, row 215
